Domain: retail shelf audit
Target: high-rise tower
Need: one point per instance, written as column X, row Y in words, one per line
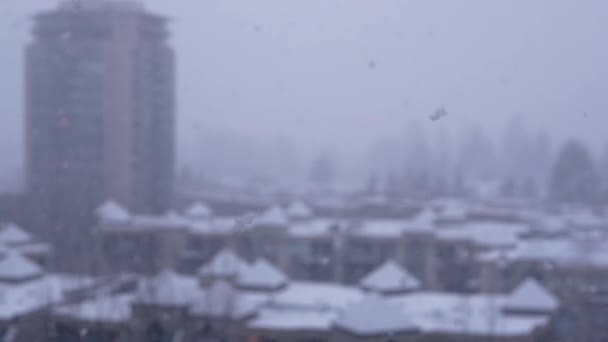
column 99, row 109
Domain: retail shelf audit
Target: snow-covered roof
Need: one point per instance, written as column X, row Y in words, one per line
column 170, row 221
column 262, row 275
column 319, row 227
column 168, row 289
column 380, row 228
column 273, row 216
column 390, row 277
column 452, row 210
column 224, row 264
column 16, row 267
column 111, row 211
column 474, row 315
column 316, row 295
column 12, row 234
column 69, row 282
column 531, row 296
column 563, row 251
column 374, row 315
column 106, row 309
column 216, row 226
column 317, row 307
column 198, row 210
column 18, row 299
column 585, row 219
column 486, row 234
column 36, row 248
column 424, row 221
column 221, row 299
column 276, row 319
column 174, row 219
column 550, row 223
column 299, row 210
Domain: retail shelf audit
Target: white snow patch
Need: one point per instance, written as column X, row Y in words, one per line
column 263, row 275
column 111, row 211
column 12, row 234
column 289, row 320
column 224, row 264
column 273, row 216
column 16, row 267
column 168, row 289
column 299, row 210
column 198, row 210
column 109, row 309
column 316, row 295
column 319, row 227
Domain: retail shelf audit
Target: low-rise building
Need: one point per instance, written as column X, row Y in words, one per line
column 276, row 308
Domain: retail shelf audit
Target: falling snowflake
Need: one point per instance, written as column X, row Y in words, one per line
column 439, row 113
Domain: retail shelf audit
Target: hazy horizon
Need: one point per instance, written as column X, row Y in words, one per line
column 287, row 71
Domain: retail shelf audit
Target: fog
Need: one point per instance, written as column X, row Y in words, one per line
column 322, row 170
column 339, row 76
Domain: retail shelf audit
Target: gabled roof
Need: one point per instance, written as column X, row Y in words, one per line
column 167, row 289
column 224, row 264
column 112, row 211
column 390, row 277
column 372, row 316
column 262, row 275
column 12, row 234
column 15, row 267
column 299, row 210
column 198, row 210
column 531, row 296
column 273, row 216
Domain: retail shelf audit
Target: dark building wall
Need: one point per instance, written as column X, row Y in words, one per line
column 155, row 130
column 12, row 209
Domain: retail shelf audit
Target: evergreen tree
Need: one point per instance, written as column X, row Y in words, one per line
column 372, row 185
column 393, row 186
column 529, row 188
column 508, row 187
column 574, row 179
column 603, row 171
column 321, row 171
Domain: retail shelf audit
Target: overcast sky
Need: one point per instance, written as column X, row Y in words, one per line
column 340, row 74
